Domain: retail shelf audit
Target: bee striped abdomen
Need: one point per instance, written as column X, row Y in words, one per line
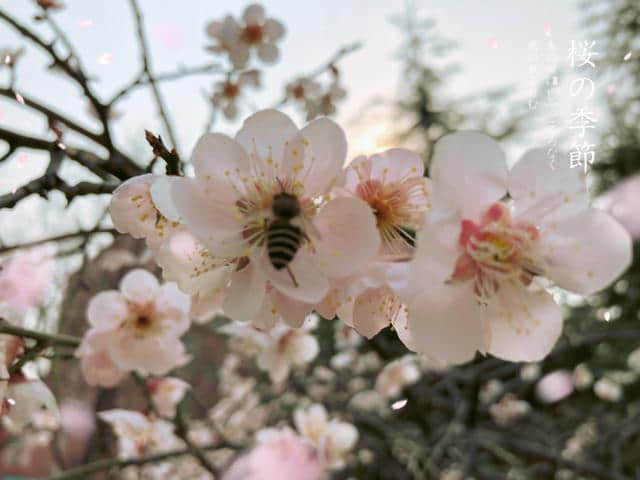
column 283, row 241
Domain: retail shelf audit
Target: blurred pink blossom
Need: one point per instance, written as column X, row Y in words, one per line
column 24, row 279
column 282, row 455
column 623, row 202
column 555, row 386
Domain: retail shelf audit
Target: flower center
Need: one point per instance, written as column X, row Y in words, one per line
column 397, row 217
column 252, row 34
column 230, row 90
column 496, row 251
column 143, row 318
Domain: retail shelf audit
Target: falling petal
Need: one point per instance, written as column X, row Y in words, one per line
column 85, row 23
column 399, row 404
column 627, row 56
column 493, row 42
column 105, row 59
column 547, row 28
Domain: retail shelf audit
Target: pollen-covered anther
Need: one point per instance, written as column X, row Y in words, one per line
column 496, row 251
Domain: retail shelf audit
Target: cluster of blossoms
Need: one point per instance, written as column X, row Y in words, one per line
column 25, row 278
column 137, row 328
column 254, row 32
column 452, row 262
column 313, row 97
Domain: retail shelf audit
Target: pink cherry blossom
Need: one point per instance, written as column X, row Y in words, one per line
column 623, row 202
column 227, row 207
column 228, row 92
column 133, row 210
column 25, row 398
column 139, row 435
column 25, row 278
column 280, row 349
column 555, row 386
column 392, row 184
column 333, row 438
column 238, row 39
column 278, row 456
column 396, row 375
column 473, row 283
column 135, row 328
column 166, row 394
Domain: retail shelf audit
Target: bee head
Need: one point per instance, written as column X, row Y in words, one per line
column 285, row 206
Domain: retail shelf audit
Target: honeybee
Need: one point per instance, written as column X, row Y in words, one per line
column 283, row 237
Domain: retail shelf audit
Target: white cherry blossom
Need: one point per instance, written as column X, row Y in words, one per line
column 473, row 283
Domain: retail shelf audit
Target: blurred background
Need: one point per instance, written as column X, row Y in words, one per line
column 397, row 74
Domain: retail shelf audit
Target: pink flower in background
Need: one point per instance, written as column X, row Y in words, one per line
column 333, row 438
column 280, row 349
column 623, row 202
column 166, row 394
column 228, row 208
column 25, row 399
column 25, row 278
column 98, row 368
column 139, row 435
column 278, row 455
column 555, row 386
column 228, row 92
column 396, row 375
column 473, row 283
column 238, row 39
column 135, row 329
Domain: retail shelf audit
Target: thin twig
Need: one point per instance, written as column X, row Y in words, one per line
column 146, row 62
column 50, row 338
column 141, row 79
column 59, row 238
column 44, row 184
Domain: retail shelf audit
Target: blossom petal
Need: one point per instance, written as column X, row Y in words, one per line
column 349, row 237
column 265, row 135
column 216, row 226
column 292, row 311
column 139, row 286
column 219, row 158
column 268, row 52
column 447, row 324
column 396, row 165
column 273, row 29
column 246, row 293
column 253, row 14
column 311, row 287
column 160, row 191
column 585, row 253
column 370, row 312
column 524, row 324
column 542, row 194
column 107, row 310
column 469, row 172
column 328, row 150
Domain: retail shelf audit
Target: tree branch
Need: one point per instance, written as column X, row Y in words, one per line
column 59, row 238
column 142, row 79
column 44, row 184
column 146, row 62
column 49, row 338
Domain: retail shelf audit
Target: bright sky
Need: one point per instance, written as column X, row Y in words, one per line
column 493, row 38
